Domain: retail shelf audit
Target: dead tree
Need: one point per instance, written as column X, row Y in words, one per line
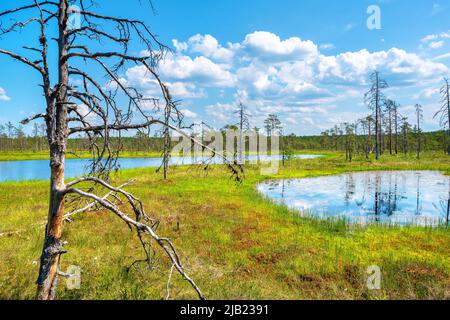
column 397, row 116
column 364, row 134
column 244, row 125
column 419, row 118
column 390, row 114
column 350, row 130
column 405, row 128
column 82, row 102
column 374, row 99
column 172, row 115
column 444, row 112
column 369, row 135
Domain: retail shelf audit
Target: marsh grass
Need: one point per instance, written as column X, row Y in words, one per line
column 234, row 243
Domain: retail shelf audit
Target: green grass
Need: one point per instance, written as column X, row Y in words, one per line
column 235, row 244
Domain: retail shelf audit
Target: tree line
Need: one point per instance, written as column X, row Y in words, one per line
column 386, row 130
column 351, row 137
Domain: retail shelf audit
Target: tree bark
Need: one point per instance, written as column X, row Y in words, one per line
column 396, row 129
column 57, row 126
column 390, row 131
column 167, row 143
column 377, row 122
column 448, row 115
column 418, row 137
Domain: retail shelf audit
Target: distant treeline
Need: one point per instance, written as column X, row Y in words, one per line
column 338, row 140
column 13, row 139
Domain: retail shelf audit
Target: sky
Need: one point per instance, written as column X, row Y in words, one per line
column 308, row 61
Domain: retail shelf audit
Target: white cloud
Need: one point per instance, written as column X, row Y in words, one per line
column 180, row 46
column 292, row 68
column 220, row 111
column 207, row 46
column 3, row 96
column 429, row 38
column 427, row 93
column 436, row 41
column 436, row 44
column 189, row 114
column 443, row 56
column 289, row 77
column 327, row 46
column 197, row 70
column 291, row 120
column 88, row 115
column 429, row 112
column 268, row 46
column 185, row 77
column 397, row 65
column 182, row 90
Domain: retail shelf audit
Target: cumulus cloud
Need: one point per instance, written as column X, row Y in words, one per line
column 198, row 70
column 3, row 96
column 207, row 46
column 268, row 46
column 182, row 90
column 429, row 112
column 182, row 76
column 428, row 93
column 290, row 76
column 89, row 115
column 397, row 65
column 220, row 111
column 270, row 67
column 189, row 114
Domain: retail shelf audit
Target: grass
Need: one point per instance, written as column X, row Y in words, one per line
column 234, row 243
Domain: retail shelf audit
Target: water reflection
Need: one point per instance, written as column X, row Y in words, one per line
column 404, row 198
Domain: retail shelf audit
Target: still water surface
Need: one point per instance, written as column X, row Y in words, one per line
column 39, row 169
column 400, row 197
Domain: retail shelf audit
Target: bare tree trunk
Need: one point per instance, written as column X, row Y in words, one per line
column 390, row 132
column 377, row 124
column 53, row 247
column 448, row 115
column 418, row 138
column 369, row 146
column 167, row 142
column 396, row 129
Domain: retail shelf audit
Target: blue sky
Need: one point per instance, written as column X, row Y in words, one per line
column 307, row 61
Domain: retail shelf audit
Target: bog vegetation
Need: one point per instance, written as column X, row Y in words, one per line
column 236, row 244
